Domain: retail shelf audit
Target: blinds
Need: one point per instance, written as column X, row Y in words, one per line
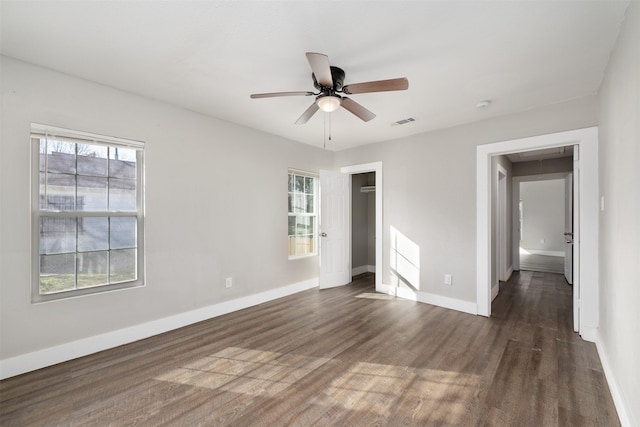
column 303, row 173
column 52, row 132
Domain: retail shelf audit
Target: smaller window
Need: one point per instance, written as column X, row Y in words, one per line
column 303, row 214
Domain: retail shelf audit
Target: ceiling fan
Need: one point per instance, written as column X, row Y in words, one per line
column 328, row 80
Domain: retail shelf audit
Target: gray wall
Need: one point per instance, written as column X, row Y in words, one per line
column 543, row 215
column 429, row 184
column 619, row 139
column 229, row 197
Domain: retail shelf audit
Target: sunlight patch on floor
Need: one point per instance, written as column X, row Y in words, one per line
column 245, row 371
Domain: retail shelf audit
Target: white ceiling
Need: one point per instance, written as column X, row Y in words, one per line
column 208, row 56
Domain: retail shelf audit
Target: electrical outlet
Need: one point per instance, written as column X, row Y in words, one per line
column 228, row 282
column 448, row 279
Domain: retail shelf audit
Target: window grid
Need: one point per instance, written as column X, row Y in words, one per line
column 88, row 229
column 302, row 215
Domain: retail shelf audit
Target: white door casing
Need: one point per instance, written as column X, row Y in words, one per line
column 586, row 206
column 568, row 228
column 501, row 244
column 335, row 193
column 577, row 240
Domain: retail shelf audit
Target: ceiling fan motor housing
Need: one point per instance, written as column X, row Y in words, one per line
column 337, row 75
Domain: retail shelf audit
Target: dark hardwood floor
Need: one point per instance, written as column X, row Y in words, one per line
column 342, row 356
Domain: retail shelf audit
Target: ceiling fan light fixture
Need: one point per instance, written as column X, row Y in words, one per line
column 328, row 103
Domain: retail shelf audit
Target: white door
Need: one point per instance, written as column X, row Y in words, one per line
column 576, row 239
column 335, row 191
column 568, row 228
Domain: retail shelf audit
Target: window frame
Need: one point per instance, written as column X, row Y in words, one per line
column 39, row 131
column 315, row 215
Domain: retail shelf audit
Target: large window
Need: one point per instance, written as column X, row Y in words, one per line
column 87, row 209
column 303, row 214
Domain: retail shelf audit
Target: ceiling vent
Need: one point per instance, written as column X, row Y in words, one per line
column 405, row 121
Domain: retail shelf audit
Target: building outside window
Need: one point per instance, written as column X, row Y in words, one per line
column 87, row 210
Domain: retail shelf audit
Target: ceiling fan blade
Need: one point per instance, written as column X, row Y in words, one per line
column 274, row 94
column 304, row 118
column 357, row 109
column 377, row 86
column 321, row 69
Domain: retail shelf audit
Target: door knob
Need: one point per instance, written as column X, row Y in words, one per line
column 323, row 234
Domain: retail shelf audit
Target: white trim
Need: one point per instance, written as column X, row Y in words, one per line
column 494, row 291
column 363, row 269
column 616, row 394
column 377, row 168
column 61, row 353
column 502, row 222
column 38, row 129
column 547, row 253
column 428, row 298
column 589, row 333
column 509, row 272
column 587, row 140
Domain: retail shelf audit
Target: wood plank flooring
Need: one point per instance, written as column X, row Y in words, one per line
column 342, row 356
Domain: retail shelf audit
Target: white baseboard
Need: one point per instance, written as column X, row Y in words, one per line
column 543, row 252
column 427, row 298
column 61, row 353
column 494, row 291
column 589, row 333
column 618, row 398
column 509, row 273
column 363, row 269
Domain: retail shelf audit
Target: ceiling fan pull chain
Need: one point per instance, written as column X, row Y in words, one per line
column 324, row 135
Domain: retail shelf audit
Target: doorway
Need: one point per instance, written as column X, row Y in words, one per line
column 376, row 168
column 363, row 223
column 585, row 207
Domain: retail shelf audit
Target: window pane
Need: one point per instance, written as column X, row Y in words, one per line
column 60, row 191
column 57, row 273
column 61, row 157
column 304, row 225
column 122, row 265
column 122, row 194
column 92, row 193
column 57, row 235
column 292, row 246
column 290, row 203
column 308, row 242
column 308, row 185
column 93, row 234
column 299, row 203
column 292, row 225
column 303, row 245
column 309, row 207
column 122, row 162
column 92, row 269
column 291, row 182
column 123, row 233
column 92, row 160
column 299, row 183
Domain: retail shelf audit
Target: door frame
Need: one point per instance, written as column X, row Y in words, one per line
column 502, row 224
column 587, row 164
column 377, row 168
